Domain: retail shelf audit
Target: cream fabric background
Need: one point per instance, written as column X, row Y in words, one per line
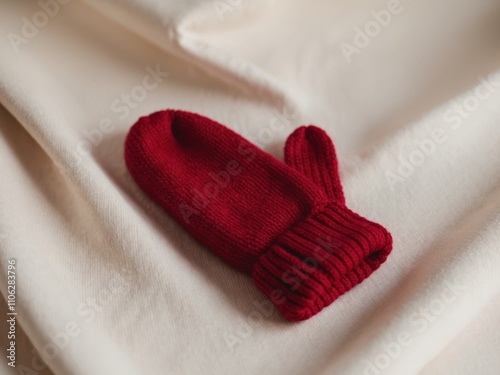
column 98, row 260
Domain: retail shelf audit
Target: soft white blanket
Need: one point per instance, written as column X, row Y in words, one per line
column 107, row 283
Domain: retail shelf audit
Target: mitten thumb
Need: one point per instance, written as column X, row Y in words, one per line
column 310, row 151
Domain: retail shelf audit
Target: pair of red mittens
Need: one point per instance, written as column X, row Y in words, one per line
column 284, row 223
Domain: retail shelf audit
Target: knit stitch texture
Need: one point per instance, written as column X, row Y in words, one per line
column 286, row 224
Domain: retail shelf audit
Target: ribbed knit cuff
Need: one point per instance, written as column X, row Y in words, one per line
column 319, row 259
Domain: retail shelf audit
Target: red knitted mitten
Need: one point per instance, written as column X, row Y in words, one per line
column 295, row 236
